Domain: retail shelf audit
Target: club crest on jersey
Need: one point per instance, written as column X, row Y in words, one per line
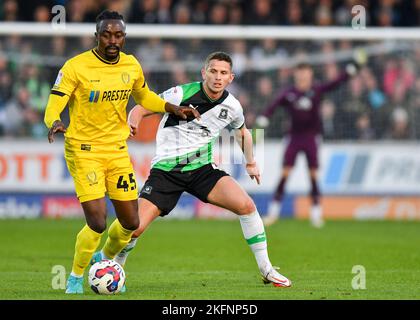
column 223, row 114
column 92, row 177
column 125, row 77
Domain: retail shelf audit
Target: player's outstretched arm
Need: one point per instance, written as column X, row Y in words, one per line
column 151, row 101
column 184, row 112
column 56, row 104
column 244, row 138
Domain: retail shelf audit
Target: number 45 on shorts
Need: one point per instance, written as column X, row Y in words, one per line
column 127, row 183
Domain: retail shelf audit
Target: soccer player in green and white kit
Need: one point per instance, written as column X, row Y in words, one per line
column 183, row 161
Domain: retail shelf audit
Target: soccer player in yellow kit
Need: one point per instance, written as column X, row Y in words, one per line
column 96, row 85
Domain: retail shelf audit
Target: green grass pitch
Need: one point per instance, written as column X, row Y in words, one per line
column 208, row 259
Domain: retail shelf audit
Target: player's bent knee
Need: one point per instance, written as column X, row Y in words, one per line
column 131, row 224
column 97, row 226
column 247, row 207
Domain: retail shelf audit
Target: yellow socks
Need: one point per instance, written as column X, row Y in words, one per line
column 86, row 243
column 118, row 237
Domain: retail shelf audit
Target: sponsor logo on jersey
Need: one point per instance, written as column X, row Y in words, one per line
column 94, row 96
column 109, row 95
column 85, row 147
column 147, row 189
column 115, row 95
column 304, row 103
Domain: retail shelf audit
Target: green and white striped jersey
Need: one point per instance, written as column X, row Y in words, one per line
column 183, row 145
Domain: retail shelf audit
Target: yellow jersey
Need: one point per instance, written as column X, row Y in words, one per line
column 98, row 93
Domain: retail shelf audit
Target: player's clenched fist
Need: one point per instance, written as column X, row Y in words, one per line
column 183, row 112
column 57, row 126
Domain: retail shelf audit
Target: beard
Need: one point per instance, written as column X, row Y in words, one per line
column 115, row 51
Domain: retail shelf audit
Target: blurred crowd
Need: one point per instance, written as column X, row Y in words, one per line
column 237, row 12
column 381, row 102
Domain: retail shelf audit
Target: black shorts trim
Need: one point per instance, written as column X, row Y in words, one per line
column 164, row 188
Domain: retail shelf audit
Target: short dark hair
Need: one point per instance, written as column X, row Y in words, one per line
column 303, row 65
column 108, row 15
column 218, row 55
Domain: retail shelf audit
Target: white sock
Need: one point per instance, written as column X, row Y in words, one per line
column 253, row 230
column 123, row 255
column 316, row 213
column 274, row 209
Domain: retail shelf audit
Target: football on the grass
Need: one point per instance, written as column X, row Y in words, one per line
column 106, row 277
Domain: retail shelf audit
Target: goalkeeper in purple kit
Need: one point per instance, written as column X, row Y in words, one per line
column 302, row 102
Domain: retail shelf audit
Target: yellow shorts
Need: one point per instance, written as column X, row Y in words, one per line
column 97, row 170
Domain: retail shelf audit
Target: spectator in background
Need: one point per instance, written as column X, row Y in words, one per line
column 387, row 13
column 261, row 12
column 85, row 43
column 169, row 62
column 328, row 119
column 194, row 50
column 144, row 11
column 364, row 130
column 398, row 78
column 377, row 102
column 249, row 109
column 182, row 14
column 264, row 92
column 331, row 70
column 218, row 14
column 323, row 15
column 10, row 10
column 121, row 6
column 19, row 117
column 236, row 14
column 384, row 18
column 151, row 50
column 283, row 77
column 266, row 54
column 294, row 15
column 200, row 12
column 42, row 14
column 58, row 46
column 414, row 105
column 5, row 82
column 350, row 109
column 375, row 95
column 38, row 88
column 239, row 57
column 164, row 11
column 308, row 7
column 169, row 54
column 76, row 11
column 179, row 74
column 399, row 125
